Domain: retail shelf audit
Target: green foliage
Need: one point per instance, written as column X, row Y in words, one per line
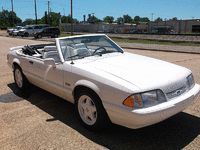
column 61, row 28
column 54, row 18
column 127, row 19
column 159, row 19
column 108, row 19
column 6, row 18
column 94, row 19
column 119, row 20
column 145, row 19
column 137, row 19
column 152, row 42
column 28, row 21
column 66, row 19
column 174, row 18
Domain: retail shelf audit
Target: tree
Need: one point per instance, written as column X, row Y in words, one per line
column 93, row 19
column 145, row 19
column 108, row 19
column 127, row 19
column 120, row 20
column 137, row 19
column 174, row 18
column 6, row 18
column 66, row 19
column 28, row 21
column 159, row 19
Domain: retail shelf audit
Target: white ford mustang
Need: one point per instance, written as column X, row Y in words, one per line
column 105, row 83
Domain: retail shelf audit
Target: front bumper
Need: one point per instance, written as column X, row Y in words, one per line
column 138, row 118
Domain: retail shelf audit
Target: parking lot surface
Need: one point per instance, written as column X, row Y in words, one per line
column 38, row 120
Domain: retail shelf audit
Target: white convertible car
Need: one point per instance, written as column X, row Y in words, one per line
column 105, row 83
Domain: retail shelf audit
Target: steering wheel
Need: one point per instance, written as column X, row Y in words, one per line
column 104, row 49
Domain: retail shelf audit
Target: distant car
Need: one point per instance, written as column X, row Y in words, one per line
column 135, row 31
column 16, row 32
column 104, row 82
column 50, row 31
column 10, row 31
column 31, row 29
column 154, row 31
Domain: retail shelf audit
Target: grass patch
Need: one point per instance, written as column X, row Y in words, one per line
column 153, row 42
column 142, row 41
column 65, row 34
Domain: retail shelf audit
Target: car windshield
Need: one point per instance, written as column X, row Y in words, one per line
column 80, row 47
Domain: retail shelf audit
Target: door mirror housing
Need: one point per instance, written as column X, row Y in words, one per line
column 50, row 61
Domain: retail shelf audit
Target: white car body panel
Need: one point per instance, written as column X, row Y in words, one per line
column 114, row 77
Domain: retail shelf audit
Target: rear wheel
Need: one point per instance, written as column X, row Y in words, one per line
column 55, row 35
column 91, row 112
column 20, row 80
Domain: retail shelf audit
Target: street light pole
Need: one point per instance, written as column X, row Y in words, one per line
column 71, row 20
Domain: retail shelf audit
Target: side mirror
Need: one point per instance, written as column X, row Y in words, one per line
column 50, row 61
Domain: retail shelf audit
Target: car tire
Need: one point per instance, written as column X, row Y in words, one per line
column 55, row 35
column 20, row 79
column 90, row 110
column 26, row 34
column 39, row 36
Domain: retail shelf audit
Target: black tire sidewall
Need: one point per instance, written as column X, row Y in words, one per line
column 26, row 34
column 55, row 35
column 102, row 118
column 25, row 82
column 39, row 36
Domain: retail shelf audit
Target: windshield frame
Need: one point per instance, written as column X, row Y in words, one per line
column 71, row 38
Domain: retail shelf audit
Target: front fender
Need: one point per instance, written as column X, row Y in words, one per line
column 88, row 84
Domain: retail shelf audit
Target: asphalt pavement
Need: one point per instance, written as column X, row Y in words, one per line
column 39, row 120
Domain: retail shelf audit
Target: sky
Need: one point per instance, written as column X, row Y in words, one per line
column 166, row 9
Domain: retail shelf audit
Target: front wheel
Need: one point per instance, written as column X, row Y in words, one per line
column 91, row 112
column 26, row 34
column 20, row 80
column 39, row 36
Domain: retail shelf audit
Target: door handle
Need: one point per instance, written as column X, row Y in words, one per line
column 31, row 62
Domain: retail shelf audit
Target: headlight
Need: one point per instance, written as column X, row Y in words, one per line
column 190, row 81
column 144, row 100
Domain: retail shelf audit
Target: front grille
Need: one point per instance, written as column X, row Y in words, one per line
column 176, row 92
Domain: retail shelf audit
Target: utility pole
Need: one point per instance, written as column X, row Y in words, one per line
column 35, row 12
column 71, row 20
column 12, row 14
column 48, row 11
column 152, row 16
column 3, row 15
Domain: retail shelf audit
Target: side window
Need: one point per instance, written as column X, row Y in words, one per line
column 29, row 28
column 40, row 27
column 36, row 27
column 47, row 29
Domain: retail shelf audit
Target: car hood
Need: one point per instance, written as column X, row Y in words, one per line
column 144, row 72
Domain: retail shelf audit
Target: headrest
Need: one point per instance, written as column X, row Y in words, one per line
column 49, row 48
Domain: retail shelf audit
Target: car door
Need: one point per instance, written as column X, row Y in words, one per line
column 45, row 76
